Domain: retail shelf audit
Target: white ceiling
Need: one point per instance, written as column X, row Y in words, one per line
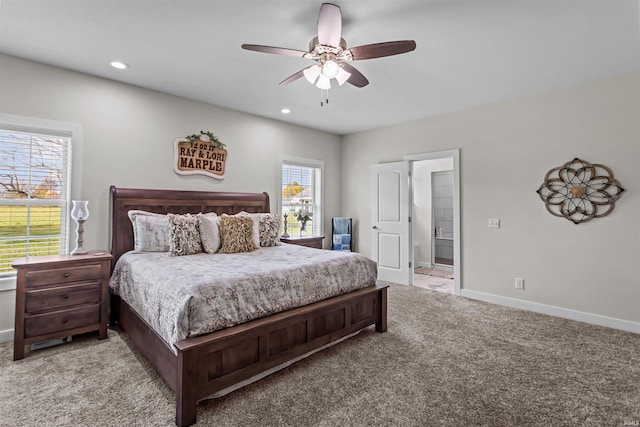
column 468, row 53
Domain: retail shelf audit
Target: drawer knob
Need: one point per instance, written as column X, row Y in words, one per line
column 65, row 320
column 66, row 274
column 65, row 296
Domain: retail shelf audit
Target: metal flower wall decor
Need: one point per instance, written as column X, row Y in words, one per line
column 580, row 191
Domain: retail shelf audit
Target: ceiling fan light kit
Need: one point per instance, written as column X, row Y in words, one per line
column 330, row 52
column 330, row 68
column 322, row 75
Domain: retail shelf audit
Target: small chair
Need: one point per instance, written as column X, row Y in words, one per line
column 341, row 234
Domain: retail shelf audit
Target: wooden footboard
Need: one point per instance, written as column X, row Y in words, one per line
column 209, row 363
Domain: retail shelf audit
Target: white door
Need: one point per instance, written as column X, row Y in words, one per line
column 390, row 221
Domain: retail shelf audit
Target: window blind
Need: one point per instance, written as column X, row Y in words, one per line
column 34, row 195
column 301, row 194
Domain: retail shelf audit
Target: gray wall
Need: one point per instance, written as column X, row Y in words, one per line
column 128, row 142
column 506, row 149
column 442, row 197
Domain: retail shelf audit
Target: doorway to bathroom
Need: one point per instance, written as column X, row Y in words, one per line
column 401, row 233
column 433, row 224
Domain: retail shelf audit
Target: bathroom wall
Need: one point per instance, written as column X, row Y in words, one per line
column 422, row 210
column 442, row 199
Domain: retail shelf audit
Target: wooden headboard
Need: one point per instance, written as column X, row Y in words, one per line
column 173, row 201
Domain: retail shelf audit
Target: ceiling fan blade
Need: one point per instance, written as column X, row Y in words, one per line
column 329, row 25
column 378, row 50
column 276, row 50
column 293, row 77
column 357, row 78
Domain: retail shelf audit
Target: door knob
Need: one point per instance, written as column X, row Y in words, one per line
column 375, row 227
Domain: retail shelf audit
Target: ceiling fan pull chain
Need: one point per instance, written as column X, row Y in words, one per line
column 324, row 97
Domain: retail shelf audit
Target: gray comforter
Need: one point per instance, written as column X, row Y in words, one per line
column 191, row 295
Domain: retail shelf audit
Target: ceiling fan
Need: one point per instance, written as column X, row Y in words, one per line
column 330, row 52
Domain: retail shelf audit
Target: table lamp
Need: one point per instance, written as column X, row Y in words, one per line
column 79, row 213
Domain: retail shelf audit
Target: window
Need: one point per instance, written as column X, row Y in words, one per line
column 301, row 196
column 34, row 194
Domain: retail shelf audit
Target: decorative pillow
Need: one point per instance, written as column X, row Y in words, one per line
column 209, row 233
column 236, row 234
column 269, row 230
column 255, row 231
column 185, row 235
column 150, row 231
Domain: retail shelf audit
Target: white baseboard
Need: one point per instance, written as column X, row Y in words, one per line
column 565, row 313
column 6, row 336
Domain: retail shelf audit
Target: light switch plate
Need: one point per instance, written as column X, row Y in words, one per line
column 494, row 222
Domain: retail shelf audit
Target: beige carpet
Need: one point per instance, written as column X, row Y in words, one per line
column 445, row 360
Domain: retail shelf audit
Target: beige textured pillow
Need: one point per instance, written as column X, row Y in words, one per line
column 185, row 235
column 236, row 234
column 269, row 230
column 151, row 231
column 255, row 231
column 209, row 233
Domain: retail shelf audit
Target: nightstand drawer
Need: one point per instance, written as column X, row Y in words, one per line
column 63, row 275
column 60, row 297
column 42, row 324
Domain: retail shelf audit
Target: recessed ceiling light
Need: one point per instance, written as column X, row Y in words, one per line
column 119, row 65
column 285, row 111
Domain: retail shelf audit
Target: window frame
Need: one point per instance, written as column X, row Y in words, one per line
column 309, row 163
column 73, row 131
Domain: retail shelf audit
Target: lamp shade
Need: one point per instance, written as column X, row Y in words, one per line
column 80, row 210
column 342, row 76
column 323, row 82
column 311, row 73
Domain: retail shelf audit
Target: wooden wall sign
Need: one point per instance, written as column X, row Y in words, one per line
column 200, row 154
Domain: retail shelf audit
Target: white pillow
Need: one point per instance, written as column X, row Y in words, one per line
column 151, row 231
column 209, row 232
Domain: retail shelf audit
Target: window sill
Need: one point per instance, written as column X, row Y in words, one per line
column 7, row 283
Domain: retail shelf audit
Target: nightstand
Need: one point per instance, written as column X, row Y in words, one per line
column 311, row 241
column 60, row 295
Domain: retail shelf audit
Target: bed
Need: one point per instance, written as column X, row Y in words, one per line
column 200, row 366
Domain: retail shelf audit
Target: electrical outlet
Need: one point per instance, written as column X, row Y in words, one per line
column 519, row 283
column 494, row 222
